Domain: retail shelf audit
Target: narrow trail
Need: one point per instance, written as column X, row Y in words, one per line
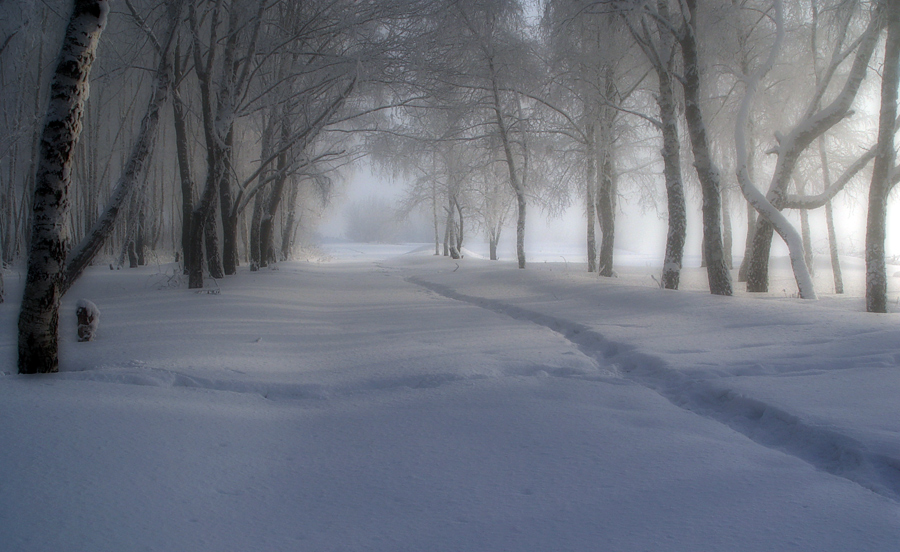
column 824, row 448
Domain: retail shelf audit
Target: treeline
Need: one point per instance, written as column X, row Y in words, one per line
column 214, row 128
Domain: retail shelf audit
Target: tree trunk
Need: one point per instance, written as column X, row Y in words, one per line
column 450, row 231
column 727, row 240
column 880, row 188
column 515, row 182
column 606, row 189
column 128, row 247
column 671, row 153
column 606, row 214
column 447, row 232
column 198, row 223
column 829, row 223
column 590, row 185
column 39, row 314
column 833, row 250
column 807, row 240
column 758, row 267
column 131, row 250
column 707, row 173
column 769, row 212
column 187, row 182
column 204, row 211
column 2, row 266
column 493, row 240
column 226, row 206
column 266, row 228
column 211, row 241
column 255, row 224
column 748, row 241
column 790, row 146
column 292, row 224
column 459, row 233
column 521, row 207
column 434, row 218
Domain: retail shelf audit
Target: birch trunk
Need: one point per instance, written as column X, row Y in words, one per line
column 606, row 215
column 813, row 124
column 751, row 229
column 805, row 233
column 515, row 182
column 671, row 154
column 493, row 240
column 880, row 188
column 292, row 224
column 708, row 174
column 434, row 217
column 255, row 224
column 184, row 160
column 270, row 207
column 769, row 213
column 205, row 207
column 833, row 250
column 211, row 242
column 39, row 314
column 590, row 185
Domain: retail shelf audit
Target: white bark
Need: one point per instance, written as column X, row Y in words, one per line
column 39, row 315
column 882, row 181
column 765, row 208
column 814, row 123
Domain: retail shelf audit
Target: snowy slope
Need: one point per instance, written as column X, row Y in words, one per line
column 389, row 402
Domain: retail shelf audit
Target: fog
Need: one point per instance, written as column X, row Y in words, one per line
column 640, row 232
column 496, row 128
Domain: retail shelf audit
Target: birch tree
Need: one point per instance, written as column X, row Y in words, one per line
column 44, row 283
column 767, row 211
column 882, row 181
column 817, row 118
column 482, row 37
column 52, row 267
column 657, row 40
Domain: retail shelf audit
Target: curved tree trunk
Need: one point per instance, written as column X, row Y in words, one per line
column 769, row 212
column 814, row 123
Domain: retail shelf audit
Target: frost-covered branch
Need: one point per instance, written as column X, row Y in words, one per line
column 750, row 191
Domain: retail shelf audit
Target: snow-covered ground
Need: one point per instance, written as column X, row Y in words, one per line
column 385, row 399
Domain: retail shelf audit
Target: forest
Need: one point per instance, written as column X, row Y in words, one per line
column 213, row 132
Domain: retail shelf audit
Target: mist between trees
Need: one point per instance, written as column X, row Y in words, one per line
column 214, row 130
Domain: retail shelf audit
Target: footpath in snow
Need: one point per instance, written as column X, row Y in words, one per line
column 417, row 403
column 813, row 379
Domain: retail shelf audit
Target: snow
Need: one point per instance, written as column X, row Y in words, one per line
column 386, row 399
